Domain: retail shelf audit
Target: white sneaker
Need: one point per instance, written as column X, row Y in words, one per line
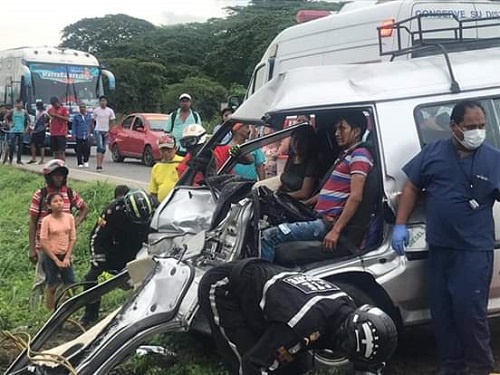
column 86, row 165
column 80, row 165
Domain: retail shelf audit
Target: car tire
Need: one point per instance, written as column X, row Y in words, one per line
column 327, row 359
column 115, row 154
column 147, row 156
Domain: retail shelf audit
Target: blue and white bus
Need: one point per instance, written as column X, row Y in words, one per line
column 39, row 73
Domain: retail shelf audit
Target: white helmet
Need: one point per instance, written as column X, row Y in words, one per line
column 193, row 135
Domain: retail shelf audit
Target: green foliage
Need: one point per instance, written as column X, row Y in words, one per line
column 97, row 34
column 207, row 95
column 139, row 85
column 210, row 60
column 171, row 46
column 16, row 273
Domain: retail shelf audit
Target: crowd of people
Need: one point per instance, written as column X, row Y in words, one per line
column 18, row 123
column 461, row 258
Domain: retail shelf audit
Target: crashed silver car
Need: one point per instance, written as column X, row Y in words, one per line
column 198, row 227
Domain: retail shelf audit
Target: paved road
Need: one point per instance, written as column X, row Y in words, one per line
column 131, row 172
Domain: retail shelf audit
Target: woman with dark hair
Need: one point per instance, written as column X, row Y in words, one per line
column 300, row 176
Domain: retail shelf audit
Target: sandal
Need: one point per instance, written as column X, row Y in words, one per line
column 31, row 162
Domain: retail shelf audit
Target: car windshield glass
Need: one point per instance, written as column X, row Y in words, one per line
column 157, row 124
column 71, row 83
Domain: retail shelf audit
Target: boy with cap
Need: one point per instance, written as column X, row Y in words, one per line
column 164, row 173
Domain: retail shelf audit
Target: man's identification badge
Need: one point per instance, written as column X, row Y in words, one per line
column 307, row 284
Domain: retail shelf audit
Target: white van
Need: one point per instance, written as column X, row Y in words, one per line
column 351, row 35
column 408, row 103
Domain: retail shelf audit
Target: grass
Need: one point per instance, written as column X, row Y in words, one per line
column 194, row 355
column 16, row 275
column 16, row 272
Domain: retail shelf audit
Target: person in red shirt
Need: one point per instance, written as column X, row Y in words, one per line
column 59, row 117
column 193, row 138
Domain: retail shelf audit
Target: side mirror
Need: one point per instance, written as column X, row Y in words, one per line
column 111, row 79
column 140, row 129
column 26, row 76
column 234, row 101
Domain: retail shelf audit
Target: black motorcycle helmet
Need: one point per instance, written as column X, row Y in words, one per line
column 139, row 206
column 368, row 336
column 52, row 167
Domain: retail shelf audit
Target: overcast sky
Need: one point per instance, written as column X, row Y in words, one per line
column 39, row 23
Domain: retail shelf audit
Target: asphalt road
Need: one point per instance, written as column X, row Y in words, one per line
column 131, row 172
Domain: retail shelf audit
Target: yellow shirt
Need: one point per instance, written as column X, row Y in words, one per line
column 164, row 177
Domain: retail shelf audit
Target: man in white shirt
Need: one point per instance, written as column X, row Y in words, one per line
column 103, row 118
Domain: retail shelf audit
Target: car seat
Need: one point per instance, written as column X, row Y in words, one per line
column 366, row 223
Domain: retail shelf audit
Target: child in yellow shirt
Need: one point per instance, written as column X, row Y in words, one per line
column 57, row 239
column 164, row 173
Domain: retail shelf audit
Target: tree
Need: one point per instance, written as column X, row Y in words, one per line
column 182, row 49
column 140, row 86
column 242, row 38
column 125, row 98
column 95, row 35
column 151, row 82
column 207, row 95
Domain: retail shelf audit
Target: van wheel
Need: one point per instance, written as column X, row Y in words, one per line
column 147, row 156
column 115, row 154
column 328, row 359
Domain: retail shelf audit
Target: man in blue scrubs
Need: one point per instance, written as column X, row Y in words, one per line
column 460, row 177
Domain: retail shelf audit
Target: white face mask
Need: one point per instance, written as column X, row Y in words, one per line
column 472, row 138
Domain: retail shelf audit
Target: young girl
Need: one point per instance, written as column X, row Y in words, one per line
column 57, row 238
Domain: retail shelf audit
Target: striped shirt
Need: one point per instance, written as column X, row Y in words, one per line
column 40, row 209
column 335, row 192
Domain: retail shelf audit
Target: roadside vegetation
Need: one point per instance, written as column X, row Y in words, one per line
column 210, row 60
column 193, row 355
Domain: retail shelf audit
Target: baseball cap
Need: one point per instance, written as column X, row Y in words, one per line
column 185, row 96
column 166, row 141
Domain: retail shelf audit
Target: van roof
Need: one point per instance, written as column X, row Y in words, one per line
column 315, row 86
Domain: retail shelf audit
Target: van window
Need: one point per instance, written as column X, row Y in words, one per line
column 433, row 121
column 260, row 77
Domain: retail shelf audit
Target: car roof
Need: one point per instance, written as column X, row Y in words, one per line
column 316, row 86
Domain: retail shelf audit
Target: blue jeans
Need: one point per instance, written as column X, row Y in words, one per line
column 288, row 232
column 101, row 140
column 16, row 139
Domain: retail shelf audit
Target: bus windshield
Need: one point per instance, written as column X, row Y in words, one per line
column 70, row 83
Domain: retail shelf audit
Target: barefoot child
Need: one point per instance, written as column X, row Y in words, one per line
column 57, row 237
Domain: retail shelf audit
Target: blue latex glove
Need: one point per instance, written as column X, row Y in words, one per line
column 400, row 238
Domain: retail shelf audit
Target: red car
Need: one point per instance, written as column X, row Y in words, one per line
column 136, row 137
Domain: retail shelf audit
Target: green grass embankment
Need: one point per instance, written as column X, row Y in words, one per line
column 194, row 356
